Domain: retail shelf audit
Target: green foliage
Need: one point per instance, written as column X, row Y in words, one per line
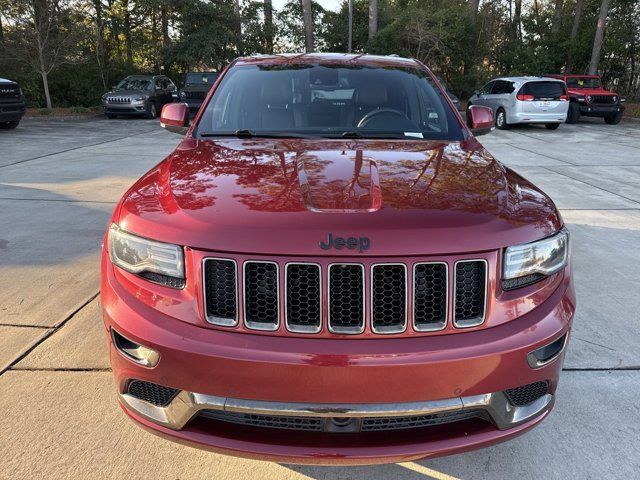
column 464, row 49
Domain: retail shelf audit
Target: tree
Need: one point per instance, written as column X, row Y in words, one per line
column 373, row 18
column 41, row 38
column 597, row 41
column 268, row 26
column 307, row 19
column 473, row 8
column 574, row 33
column 557, row 16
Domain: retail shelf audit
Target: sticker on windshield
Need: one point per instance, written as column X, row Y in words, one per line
column 413, row 134
column 433, row 115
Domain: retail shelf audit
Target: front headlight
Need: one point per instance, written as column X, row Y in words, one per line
column 530, row 263
column 158, row 262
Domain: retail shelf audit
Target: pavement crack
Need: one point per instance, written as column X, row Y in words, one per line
column 18, row 325
column 49, row 333
column 632, row 368
column 596, row 344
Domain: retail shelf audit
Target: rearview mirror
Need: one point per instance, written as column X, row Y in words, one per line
column 480, row 120
column 175, row 117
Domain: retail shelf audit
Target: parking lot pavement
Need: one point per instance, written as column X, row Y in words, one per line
column 59, row 182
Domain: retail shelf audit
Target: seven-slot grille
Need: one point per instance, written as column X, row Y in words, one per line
column 388, row 287
column 195, row 95
column 602, row 99
column 118, row 100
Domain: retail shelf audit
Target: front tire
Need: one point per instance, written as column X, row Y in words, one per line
column 613, row 119
column 574, row 113
column 110, row 116
column 501, row 119
column 152, row 111
column 551, row 126
column 9, row 125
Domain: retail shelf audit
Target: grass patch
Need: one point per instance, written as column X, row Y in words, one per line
column 79, row 110
column 44, row 111
column 632, row 110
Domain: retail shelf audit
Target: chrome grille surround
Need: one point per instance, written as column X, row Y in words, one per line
column 468, row 323
column 257, row 325
column 341, row 329
column 388, row 329
column 435, row 328
column 301, row 328
column 215, row 320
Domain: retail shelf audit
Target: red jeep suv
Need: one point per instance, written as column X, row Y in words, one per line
column 330, row 268
column 589, row 98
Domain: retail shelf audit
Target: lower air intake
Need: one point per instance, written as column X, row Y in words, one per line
column 150, row 392
column 527, row 394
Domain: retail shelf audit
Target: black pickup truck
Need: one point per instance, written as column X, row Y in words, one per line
column 12, row 104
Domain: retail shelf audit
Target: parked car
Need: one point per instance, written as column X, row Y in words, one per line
column 452, row 96
column 330, row 268
column 524, row 100
column 139, row 95
column 195, row 89
column 12, row 104
column 589, row 98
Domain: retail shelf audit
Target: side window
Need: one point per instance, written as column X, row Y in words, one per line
column 499, row 87
column 487, row 88
column 509, row 87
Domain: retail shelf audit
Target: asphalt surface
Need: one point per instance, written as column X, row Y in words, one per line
column 59, row 181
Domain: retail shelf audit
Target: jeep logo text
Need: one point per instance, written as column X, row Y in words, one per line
column 351, row 243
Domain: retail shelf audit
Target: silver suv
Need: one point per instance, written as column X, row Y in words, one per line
column 525, row 100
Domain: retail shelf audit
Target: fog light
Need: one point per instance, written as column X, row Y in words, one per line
column 135, row 352
column 547, row 354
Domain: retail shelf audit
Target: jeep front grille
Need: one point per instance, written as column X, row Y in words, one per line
column 602, row 99
column 344, row 298
column 195, row 95
column 118, row 100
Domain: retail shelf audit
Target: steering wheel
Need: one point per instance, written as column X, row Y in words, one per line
column 375, row 113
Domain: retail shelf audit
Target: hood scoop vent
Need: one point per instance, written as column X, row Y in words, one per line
column 339, row 182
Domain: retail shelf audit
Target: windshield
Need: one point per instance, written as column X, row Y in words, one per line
column 207, row 78
column 329, row 101
column 583, row 82
column 133, row 83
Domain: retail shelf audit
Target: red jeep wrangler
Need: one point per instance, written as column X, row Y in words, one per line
column 589, row 98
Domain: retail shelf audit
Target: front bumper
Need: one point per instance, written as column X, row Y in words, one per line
column 125, row 109
column 215, row 369
column 600, row 110
column 10, row 112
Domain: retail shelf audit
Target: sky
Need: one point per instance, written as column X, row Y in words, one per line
column 326, row 4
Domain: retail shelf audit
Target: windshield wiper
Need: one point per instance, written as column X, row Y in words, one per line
column 355, row 134
column 245, row 133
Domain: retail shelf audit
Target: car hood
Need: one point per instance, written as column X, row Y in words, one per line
column 128, row 93
column 285, row 196
column 590, row 91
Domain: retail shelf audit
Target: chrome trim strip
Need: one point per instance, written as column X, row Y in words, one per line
column 418, row 328
column 301, row 328
column 393, row 329
column 535, row 363
column 346, row 330
column 187, row 404
column 223, row 322
column 472, row 322
column 264, row 326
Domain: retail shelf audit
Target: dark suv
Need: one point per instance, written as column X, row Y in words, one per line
column 12, row 104
column 139, row 95
column 195, row 89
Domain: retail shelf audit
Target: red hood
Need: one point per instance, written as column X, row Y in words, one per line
column 590, row 91
column 285, row 196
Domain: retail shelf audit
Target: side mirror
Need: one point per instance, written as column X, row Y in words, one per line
column 480, row 120
column 175, row 117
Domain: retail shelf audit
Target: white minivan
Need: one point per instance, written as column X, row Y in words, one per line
column 525, row 100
